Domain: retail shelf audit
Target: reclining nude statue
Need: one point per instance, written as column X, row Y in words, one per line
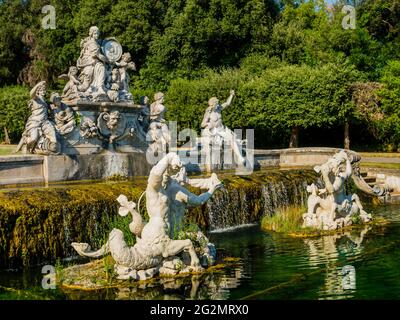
column 330, row 208
column 154, row 250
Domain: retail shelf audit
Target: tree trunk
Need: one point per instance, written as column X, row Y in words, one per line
column 294, row 138
column 6, row 136
column 346, row 136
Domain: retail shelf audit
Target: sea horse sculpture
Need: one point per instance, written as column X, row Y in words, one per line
column 153, row 243
column 330, row 208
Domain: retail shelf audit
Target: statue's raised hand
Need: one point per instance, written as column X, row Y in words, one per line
column 232, row 92
column 215, row 183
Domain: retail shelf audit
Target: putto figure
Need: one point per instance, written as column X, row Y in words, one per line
column 331, row 208
column 124, row 65
column 215, row 133
column 63, row 114
column 154, row 250
column 39, row 135
column 71, row 89
column 159, row 134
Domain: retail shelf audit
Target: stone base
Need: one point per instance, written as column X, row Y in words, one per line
column 35, row 169
column 95, row 166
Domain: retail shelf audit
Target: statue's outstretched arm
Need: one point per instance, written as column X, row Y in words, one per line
column 191, row 199
column 204, row 183
column 228, row 102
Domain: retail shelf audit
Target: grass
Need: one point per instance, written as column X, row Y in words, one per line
column 287, row 220
column 380, row 154
column 380, row 165
column 7, row 149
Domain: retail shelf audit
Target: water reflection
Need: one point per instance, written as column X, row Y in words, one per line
column 332, row 252
column 214, row 285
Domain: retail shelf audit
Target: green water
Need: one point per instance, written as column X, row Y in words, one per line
column 273, row 266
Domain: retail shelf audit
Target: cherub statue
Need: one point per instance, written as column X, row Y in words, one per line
column 63, row 114
column 124, row 65
column 159, row 133
column 71, row 89
column 115, row 86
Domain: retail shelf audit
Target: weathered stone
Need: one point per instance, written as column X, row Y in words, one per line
column 153, row 241
column 330, row 208
column 215, row 135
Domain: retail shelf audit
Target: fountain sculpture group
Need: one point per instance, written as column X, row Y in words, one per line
column 96, row 113
column 330, row 208
column 156, row 250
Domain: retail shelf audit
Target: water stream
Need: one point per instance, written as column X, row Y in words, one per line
column 361, row 264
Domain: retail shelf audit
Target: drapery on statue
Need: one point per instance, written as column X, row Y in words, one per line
column 154, row 248
column 91, row 64
column 215, row 133
column 39, row 135
column 330, row 208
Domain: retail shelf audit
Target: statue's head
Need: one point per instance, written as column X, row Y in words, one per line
column 159, row 97
column 144, row 100
column 73, row 70
column 94, row 32
column 126, row 57
column 213, row 102
column 181, row 176
column 39, row 90
column 55, row 98
column 112, row 119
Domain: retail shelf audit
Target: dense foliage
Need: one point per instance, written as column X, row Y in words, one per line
column 291, row 62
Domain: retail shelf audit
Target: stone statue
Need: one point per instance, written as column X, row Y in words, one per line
column 63, row 114
column 160, row 136
column 154, row 250
column 39, row 135
column 114, row 86
column 91, row 64
column 124, row 65
column 101, row 72
column 215, row 133
column 330, row 208
column 71, row 91
column 112, row 125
